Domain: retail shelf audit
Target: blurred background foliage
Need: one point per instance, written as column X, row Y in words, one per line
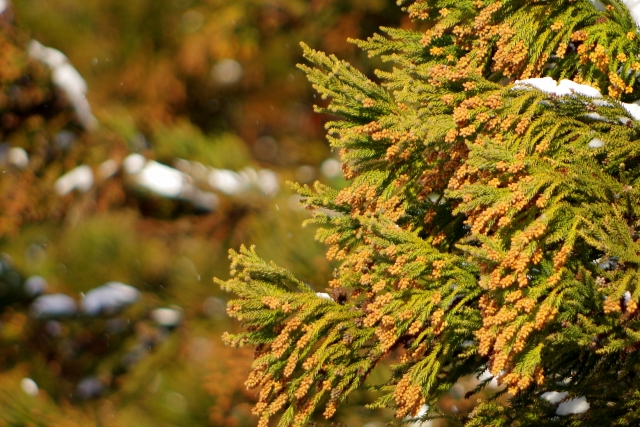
column 203, row 87
column 108, row 315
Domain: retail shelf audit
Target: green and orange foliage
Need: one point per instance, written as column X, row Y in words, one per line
column 488, row 224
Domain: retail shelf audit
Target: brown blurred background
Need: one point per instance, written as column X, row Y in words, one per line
column 139, row 141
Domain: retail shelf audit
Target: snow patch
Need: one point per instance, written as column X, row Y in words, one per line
column 167, row 317
column 227, row 71
column 18, row 157
column 54, row 305
column 109, row 298
column 596, row 143
column 268, row 182
column 634, row 9
column 553, row 397
column 596, row 117
column 35, row 285
column 67, row 79
column 633, row 109
column 568, row 87
column 331, row 168
column 227, row 181
column 486, row 375
column 80, row 178
column 423, row 411
column 573, row 406
column 169, row 182
column 162, row 179
column 324, row 295
column 565, row 87
column 134, row 163
column 28, row 385
column 234, row 183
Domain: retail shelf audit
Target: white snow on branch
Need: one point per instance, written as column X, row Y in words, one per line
column 163, row 180
column 553, row 397
column 634, row 9
column 234, row 183
column 573, row 406
column 54, row 305
column 181, row 183
column 568, row 407
column 633, row 109
column 168, row 182
column 227, row 72
column 134, row 163
column 227, row 181
column 231, row 183
column 35, row 285
column 633, row 6
column 565, row 87
column 80, row 178
column 18, row 157
column 421, row 413
column 109, row 298
column 487, row 375
column 67, row 79
column 569, row 88
column 596, row 143
column 324, row 295
column 168, row 317
column 28, row 385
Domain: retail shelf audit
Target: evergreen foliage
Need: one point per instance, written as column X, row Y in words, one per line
column 487, row 224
